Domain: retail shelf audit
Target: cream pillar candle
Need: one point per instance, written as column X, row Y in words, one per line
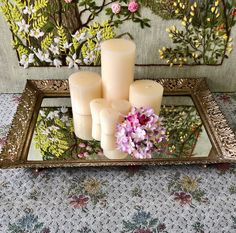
column 115, row 154
column 122, row 106
column 96, row 131
column 84, row 87
column 109, row 118
column 146, row 93
column 117, row 60
column 96, row 105
column 83, row 126
column 108, row 142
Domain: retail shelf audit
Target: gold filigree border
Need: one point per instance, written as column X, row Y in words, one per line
column 15, row 152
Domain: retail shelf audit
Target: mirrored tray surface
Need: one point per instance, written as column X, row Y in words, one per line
column 42, row 133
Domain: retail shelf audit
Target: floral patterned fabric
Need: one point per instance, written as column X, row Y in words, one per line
column 190, row 199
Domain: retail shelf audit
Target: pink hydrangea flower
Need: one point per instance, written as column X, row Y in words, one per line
column 140, row 133
column 133, row 6
column 115, row 7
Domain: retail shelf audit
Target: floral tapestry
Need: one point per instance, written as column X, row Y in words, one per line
column 69, row 32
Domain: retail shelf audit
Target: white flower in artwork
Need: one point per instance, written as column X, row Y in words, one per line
column 65, row 119
column 36, row 33
column 42, row 113
column 73, row 61
column 67, row 45
column 54, row 49
column 99, row 35
column 23, row 26
column 53, row 128
column 43, row 56
column 29, row 10
column 64, row 109
column 89, row 58
column 56, row 40
column 26, row 60
column 79, row 36
column 57, row 62
column 52, row 115
column 45, row 132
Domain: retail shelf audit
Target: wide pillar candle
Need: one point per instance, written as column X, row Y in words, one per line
column 146, row 93
column 84, row 87
column 83, row 126
column 117, row 65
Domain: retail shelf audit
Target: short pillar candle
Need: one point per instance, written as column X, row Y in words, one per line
column 84, row 87
column 122, row 106
column 117, row 65
column 96, row 106
column 109, row 119
column 83, row 126
column 146, row 93
column 115, row 154
column 108, row 142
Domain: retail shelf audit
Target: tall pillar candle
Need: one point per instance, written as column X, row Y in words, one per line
column 117, row 60
column 146, row 93
column 83, row 126
column 96, row 106
column 84, row 87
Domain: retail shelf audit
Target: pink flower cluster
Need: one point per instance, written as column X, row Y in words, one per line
column 140, row 132
column 133, row 6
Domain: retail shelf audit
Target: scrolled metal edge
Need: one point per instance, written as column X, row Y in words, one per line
column 20, row 122
column 223, row 134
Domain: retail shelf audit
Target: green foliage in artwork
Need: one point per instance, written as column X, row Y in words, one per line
column 63, row 38
column 37, row 25
column 183, row 127
column 164, row 8
column 40, row 22
column 204, row 37
column 54, row 136
column 47, row 41
column 40, row 4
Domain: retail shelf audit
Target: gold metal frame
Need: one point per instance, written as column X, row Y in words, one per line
column 15, row 152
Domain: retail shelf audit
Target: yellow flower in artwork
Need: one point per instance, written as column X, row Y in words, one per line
column 176, row 11
column 216, row 3
column 92, row 186
column 189, row 184
column 208, row 19
column 192, row 13
column 225, row 37
column 213, row 9
column 184, row 23
column 195, row 4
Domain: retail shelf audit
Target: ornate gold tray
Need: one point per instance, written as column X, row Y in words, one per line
column 42, row 134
